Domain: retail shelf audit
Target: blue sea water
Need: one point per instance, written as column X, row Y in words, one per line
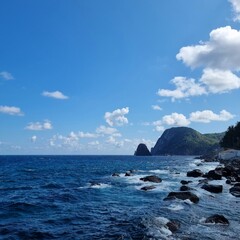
column 76, row 197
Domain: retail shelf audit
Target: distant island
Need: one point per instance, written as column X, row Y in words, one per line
column 182, row 141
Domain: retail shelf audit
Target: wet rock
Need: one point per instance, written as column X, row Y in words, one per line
column 128, row 174
column 151, row 179
column 184, row 182
column 147, row 188
column 203, row 181
column 183, row 196
column 235, row 191
column 215, row 175
column 195, row 173
column 173, row 226
column 185, row 188
column 213, row 188
column 93, row 184
column 115, row 175
column 216, row 218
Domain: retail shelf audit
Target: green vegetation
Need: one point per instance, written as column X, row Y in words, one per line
column 231, row 138
column 186, row 141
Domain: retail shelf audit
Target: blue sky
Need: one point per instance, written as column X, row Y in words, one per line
column 99, row 77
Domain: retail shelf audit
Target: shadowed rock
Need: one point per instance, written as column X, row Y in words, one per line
column 173, row 226
column 183, row 196
column 151, row 179
column 115, row 175
column 213, row 188
column 185, row 188
column 195, row 173
column 147, row 188
column 184, row 182
column 216, row 218
column 213, row 174
column 235, row 191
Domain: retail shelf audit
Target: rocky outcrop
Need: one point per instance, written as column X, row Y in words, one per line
column 183, row 196
column 235, row 191
column 217, row 219
column 142, row 150
column 151, row 179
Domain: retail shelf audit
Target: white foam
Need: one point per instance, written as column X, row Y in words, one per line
column 101, row 185
column 175, row 207
column 160, row 171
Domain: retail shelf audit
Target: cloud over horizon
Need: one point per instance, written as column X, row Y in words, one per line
column 11, row 110
column 38, row 126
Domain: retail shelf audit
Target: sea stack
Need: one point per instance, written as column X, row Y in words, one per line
column 142, row 150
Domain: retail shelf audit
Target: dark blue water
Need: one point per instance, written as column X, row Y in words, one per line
column 75, row 197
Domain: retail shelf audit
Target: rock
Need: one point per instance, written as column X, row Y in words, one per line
column 185, row 188
column 151, row 179
column 215, row 175
column 115, row 175
column 184, row 182
column 173, row 226
column 92, row 184
column 235, row 191
column 146, row 188
column 128, row 174
column 203, row 181
column 213, row 188
column 183, row 196
column 216, row 218
column 142, row 150
column 195, row 173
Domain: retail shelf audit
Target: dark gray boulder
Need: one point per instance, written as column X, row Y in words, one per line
column 185, row 188
column 173, row 226
column 184, row 182
column 183, row 196
column 147, row 188
column 235, row 191
column 142, row 150
column 115, row 175
column 195, row 173
column 216, row 218
column 213, row 188
column 215, row 175
column 152, row 178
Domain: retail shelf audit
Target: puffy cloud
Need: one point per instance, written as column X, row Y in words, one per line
column 184, row 88
column 222, row 51
column 112, row 140
column 175, row 119
column 33, row 139
column 156, row 107
column 219, row 81
column 56, row 94
column 6, row 75
column 38, row 126
column 236, row 9
column 11, row 110
column 117, row 117
column 106, row 130
column 207, row 116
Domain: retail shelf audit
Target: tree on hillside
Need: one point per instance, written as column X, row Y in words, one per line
column 231, row 138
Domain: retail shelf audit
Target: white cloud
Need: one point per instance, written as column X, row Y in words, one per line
column 38, row 126
column 184, row 88
column 33, row 139
column 94, row 143
column 207, row 116
column 156, row 107
column 106, row 130
column 117, row 117
column 6, row 75
column 11, row 110
column 113, row 141
column 175, row 119
column 219, row 81
column 222, row 51
column 236, row 9
column 56, row 94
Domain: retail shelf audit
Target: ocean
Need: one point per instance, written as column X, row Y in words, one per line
column 76, row 197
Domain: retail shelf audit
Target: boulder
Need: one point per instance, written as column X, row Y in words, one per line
column 142, row 150
column 216, row 218
column 184, row 182
column 146, row 188
column 152, row 178
column 173, row 226
column 235, row 191
column 128, row 174
column 213, row 188
column 213, row 174
column 185, row 188
column 183, row 196
column 195, row 173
